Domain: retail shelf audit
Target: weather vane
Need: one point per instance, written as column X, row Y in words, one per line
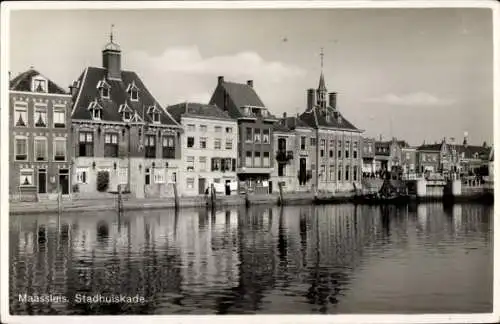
column 111, row 33
column 322, row 54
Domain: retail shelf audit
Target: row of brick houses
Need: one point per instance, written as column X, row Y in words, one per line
column 108, row 131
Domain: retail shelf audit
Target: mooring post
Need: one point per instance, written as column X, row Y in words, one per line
column 176, row 197
column 280, row 198
column 212, row 195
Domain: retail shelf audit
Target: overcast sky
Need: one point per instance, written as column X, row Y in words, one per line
column 416, row 74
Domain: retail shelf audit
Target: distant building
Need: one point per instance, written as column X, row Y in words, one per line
column 209, row 148
column 368, row 156
column 122, row 133
column 255, row 127
column 388, row 154
column 409, row 160
column 336, row 163
column 40, row 148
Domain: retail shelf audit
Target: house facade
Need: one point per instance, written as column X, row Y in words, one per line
column 368, row 156
column 255, row 131
column 39, row 152
column 336, row 164
column 123, row 136
column 409, row 160
column 388, row 154
column 210, row 148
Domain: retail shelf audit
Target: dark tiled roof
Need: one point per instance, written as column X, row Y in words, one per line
column 288, row 124
column 22, row 82
column 470, row 150
column 242, row 94
column 88, row 92
column 192, row 109
column 316, row 118
column 429, row 147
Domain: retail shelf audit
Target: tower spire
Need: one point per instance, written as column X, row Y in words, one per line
column 322, row 54
column 321, row 91
column 111, row 33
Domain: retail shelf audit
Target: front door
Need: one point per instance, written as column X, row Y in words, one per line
column 201, row 186
column 42, row 181
column 228, row 187
column 270, row 187
column 64, row 181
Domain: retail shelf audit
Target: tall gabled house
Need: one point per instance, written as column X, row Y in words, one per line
column 39, row 151
column 122, row 130
column 255, row 132
column 336, row 161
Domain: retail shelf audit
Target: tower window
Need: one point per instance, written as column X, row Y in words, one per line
column 133, row 91
column 104, row 88
column 156, row 117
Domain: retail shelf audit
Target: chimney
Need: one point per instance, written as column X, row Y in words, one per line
column 380, row 137
column 311, row 98
column 284, row 115
column 465, row 138
column 73, row 88
column 220, row 79
column 10, row 76
column 332, row 99
column 250, row 83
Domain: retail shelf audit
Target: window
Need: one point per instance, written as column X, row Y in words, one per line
column 20, row 114
column 355, row 150
column 248, row 159
column 21, row 148
column 191, row 127
column 313, row 141
column 256, row 159
column 156, row 117
column 407, row 156
column 218, row 129
column 355, row 173
column 225, row 164
column 190, row 163
column 354, row 154
column 26, row 177
column 147, row 176
column 41, row 149
column 229, row 144
column 86, row 144
column 111, row 145
column 203, row 142
column 174, row 177
column 96, row 114
column 249, row 134
column 216, row 164
column 302, row 142
column 123, row 176
column 332, row 172
column 339, row 154
column 151, row 146
column 322, row 148
column 134, row 95
column 190, row 142
column 203, row 163
column 346, row 173
column 203, row 128
column 190, row 183
column 39, row 85
column 266, row 162
column 59, row 116
column 60, row 149
column 168, row 147
column 81, row 175
column 217, row 144
column 256, row 136
column 347, row 149
column 369, row 149
column 229, row 130
column 265, row 136
column 339, row 173
column 159, row 175
column 331, row 144
column 40, row 118
column 331, row 153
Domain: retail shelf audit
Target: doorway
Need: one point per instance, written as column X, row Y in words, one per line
column 42, row 181
column 228, row 187
column 270, row 187
column 64, row 181
column 201, row 186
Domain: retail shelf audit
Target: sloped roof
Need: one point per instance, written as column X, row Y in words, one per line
column 242, row 94
column 470, row 150
column 193, row 109
column 316, row 118
column 89, row 92
column 288, row 124
column 430, row 147
column 22, row 82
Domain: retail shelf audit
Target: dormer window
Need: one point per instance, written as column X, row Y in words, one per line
column 133, row 91
column 104, row 89
column 154, row 112
column 39, row 84
column 126, row 112
column 95, row 110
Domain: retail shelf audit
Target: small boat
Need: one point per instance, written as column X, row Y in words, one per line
column 389, row 193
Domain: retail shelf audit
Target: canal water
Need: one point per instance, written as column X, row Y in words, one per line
column 266, row 260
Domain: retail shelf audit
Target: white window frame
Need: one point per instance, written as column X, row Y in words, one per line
column 29, row 172
column 132, row 92
column 56, row 110
column 190, row 183
column 191, row 127
column 229, row 130
column 21, row 108
column 36, row 108
column 111, row 138
column 39, row 78
column 159, row 175
column 203, row 140
column 266, row 137
column 25, row 138
column 203, row 128
column 60, row 139
column 35, row 156
column 217, row 129
column 230, row 142
column 202, row 160
column 217, row 144
column 123, row 175
column 190, row 163
column 156, row 117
